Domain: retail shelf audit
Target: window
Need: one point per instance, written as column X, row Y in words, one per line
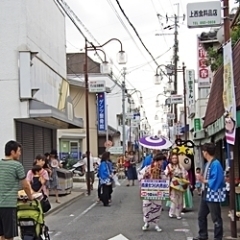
column 74, row 150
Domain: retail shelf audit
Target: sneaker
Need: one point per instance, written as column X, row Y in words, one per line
column 158, row 229
column 170, row 215
column 179, row 218
column 145, row 227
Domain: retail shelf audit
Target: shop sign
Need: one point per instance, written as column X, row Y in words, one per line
column 98, row 86
column 101, row 104
column 176, row 99
column 204, row 14
column 197, row 124
column 190, row 91
column 204, row 71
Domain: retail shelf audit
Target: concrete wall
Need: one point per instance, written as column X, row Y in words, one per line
column 37, row 26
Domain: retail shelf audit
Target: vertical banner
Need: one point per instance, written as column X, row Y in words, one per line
column 229, row 100
column 101, row 112
column 203, row 69
column 190, row 91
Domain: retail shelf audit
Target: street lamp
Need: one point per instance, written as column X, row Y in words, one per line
column 122, row 59
column 159, row 77
column 157, row 100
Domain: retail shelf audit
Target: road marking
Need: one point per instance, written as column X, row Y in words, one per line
column 57, row 234
column 119, row 237
column 83, row 213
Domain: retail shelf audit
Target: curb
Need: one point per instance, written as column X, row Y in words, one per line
column 65, row 204
column 79, row 180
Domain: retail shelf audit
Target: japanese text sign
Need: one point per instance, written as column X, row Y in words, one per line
column 204, row 14
column 97, row 86
column 154, row 189
column 190, row 90
column 204, row 71
column 101, row 104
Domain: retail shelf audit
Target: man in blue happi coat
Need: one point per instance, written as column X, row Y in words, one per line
column 147, row 161
column 213, row 193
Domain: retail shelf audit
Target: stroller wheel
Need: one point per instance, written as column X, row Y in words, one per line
column 46, row 233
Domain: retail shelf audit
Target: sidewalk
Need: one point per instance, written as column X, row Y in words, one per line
column 78, row 191
column 191, row 218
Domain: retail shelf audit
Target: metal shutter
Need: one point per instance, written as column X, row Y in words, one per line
column 38, row 140
column 28, row 145
column 19, row 135
column 47, row 141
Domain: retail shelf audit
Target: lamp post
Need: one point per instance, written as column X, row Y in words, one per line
column 122, row 59
column 158, row 76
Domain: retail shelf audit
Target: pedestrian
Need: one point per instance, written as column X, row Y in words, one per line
column 91, row 175
column 110, row 165
column 213, row 193
column 54, row 164
column 105, row 179
column 38, row 176
column 152, row 208
column 131, row 171
column 175, row 171
column 11, row 173
column 49, row 171
column 198, row 181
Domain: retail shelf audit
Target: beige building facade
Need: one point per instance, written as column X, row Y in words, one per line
column 73, row 141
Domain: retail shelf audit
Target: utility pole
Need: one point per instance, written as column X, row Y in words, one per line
column 124, row 111
column 174, row 26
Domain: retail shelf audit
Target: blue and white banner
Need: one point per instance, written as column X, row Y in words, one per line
column 101, row 112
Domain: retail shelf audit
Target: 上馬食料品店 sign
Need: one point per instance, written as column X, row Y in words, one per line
column 204, row 14
column 154, row 189
column 101, row 104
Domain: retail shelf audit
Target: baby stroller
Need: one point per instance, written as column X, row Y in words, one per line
column 31, row 220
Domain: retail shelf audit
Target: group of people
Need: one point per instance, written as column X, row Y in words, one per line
column 210, row 186
column 41, row 178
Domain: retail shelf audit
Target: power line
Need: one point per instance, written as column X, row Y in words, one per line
column 136, row 32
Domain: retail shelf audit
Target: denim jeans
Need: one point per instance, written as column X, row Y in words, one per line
column 214, row 208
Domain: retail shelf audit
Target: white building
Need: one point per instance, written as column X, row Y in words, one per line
column 34, row 93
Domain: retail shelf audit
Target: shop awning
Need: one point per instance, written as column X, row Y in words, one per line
column 44, row 114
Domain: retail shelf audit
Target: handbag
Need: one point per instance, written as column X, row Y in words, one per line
column 215, row 196
column 45, row 203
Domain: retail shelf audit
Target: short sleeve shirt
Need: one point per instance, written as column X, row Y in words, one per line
column 11, row 173
column 43, row 174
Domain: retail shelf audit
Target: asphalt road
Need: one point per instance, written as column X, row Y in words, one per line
column 86, row 220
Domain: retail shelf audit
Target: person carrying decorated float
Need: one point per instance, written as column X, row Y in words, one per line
column 152, row 208
column 178, row 185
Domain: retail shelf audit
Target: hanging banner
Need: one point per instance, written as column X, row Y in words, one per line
column 190, row 91
column 204, row 71
column 229, row 100
column 101, row 104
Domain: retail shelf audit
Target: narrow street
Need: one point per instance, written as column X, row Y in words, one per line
column 85, row 219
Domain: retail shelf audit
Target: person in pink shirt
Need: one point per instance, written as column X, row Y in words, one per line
column 39, row 161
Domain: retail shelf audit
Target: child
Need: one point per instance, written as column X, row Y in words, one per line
column 36, row 182
column 198, row 181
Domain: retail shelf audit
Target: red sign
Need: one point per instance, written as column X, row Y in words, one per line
column 202, row 63
column 203, row 73
column 203, row 69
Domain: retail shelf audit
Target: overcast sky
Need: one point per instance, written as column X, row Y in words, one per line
column 104, row 20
